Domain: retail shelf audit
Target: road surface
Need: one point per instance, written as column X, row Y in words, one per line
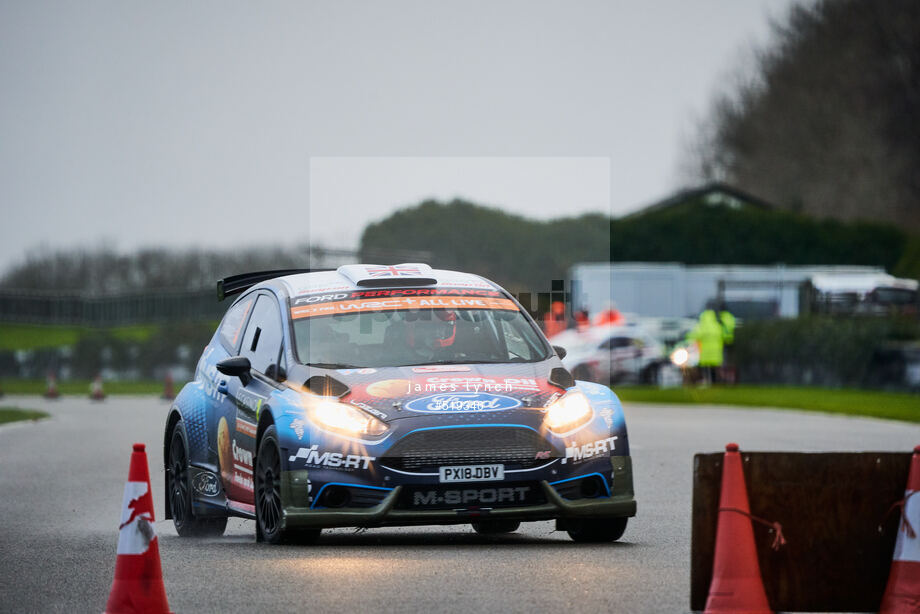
column 61, row 487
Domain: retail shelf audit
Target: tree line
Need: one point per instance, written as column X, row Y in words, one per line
column 523, row 254
column 826, row 121
column 526, row 255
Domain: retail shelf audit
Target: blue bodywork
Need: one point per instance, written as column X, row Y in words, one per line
column 335, row 480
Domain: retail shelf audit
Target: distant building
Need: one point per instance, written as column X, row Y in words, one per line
column 712, row 194
column 676, row 290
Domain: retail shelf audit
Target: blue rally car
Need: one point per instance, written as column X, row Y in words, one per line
column 396, row 395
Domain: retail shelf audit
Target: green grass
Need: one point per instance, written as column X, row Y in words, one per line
column 874, row 404
column 35, row 336
column 30, row 336
column 81, row 387
column 13, row 414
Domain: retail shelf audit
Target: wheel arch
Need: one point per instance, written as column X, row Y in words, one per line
column 174, row 416
column 266, row 419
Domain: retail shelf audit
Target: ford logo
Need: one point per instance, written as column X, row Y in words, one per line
column 462, row 402
column 206, row 484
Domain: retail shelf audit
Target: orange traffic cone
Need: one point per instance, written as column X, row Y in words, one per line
column 902, row 594
column 95, row 389
column 168, row 391
column 736, row 584
column 51, row 389
column 138, row 584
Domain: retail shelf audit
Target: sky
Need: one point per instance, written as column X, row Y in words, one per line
column 213, row 124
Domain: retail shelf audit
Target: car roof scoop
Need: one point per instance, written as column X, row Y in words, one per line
column 326, row 386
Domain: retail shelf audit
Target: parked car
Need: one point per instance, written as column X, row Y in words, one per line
column 612, row 354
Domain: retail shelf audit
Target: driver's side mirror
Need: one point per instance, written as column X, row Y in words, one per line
column 236, row 366
column 560, row 351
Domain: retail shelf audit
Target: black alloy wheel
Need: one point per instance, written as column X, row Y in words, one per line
column 268, row 495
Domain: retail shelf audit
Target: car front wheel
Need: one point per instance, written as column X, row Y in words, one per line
column 268, row 495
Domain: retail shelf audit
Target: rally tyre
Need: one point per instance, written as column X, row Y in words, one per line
column 496, row 527
column 596, row 530
column 267, row 491
column 179, row 492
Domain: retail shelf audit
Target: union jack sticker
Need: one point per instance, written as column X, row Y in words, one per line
column 393, row 271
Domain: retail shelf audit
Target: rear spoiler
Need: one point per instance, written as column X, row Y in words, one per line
column 238, row 283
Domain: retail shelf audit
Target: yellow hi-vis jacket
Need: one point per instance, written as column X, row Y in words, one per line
column 711, row 336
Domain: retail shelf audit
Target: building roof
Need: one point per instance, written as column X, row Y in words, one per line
column 714, row 193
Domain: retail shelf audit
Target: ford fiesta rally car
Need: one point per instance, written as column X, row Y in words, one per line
column 379, row 396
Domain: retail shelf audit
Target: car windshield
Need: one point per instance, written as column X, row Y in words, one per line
column 403, row 337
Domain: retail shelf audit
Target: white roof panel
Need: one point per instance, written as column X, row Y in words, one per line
column 348, row 276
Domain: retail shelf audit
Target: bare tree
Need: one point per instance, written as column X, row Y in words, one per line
column 828, row 125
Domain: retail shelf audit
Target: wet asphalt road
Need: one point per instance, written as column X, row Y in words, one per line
column 61, row 483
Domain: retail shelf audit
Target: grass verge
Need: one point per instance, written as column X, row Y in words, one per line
column 14, row 414
column 871, row 403
column 35, row 336
column 81, row 387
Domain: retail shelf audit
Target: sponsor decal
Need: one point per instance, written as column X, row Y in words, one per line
column 313, row 458
column 388, row 388
column 314, row 289
column 424, row 292
column 462, row 402
column 372, row 411
column 403, row 302
column 475, row 384
column 364, row 371
column 589, row 450
column 320, row 298
column 246, row 428
column 206, row 483
column 225, row 454
column 242, row 467
column 386, row 293
column 209, row 376
column 440, row 369
column 250, row 401
column 471, row 496
column 298, row 424
column 607, row 415
column 543, row 455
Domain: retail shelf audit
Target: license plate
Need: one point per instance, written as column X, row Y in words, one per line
column 472, row 473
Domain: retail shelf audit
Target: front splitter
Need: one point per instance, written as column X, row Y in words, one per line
column 386, row 514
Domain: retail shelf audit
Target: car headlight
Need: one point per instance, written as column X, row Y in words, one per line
column 680, row 356
column 568, row 413
column 344, row 418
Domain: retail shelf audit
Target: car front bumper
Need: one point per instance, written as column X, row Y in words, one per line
column 620, row 503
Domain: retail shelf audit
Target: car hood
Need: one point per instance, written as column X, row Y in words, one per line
column 451, row 393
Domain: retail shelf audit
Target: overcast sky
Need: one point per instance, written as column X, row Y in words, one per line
column 221, row 123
